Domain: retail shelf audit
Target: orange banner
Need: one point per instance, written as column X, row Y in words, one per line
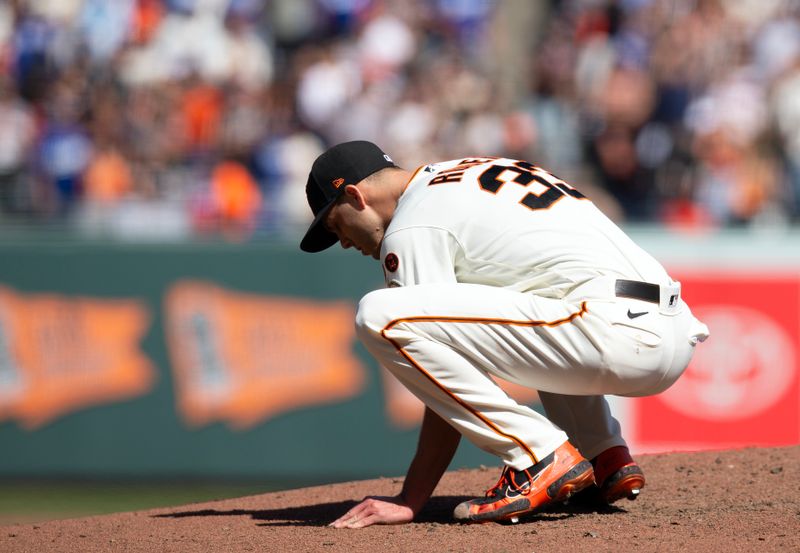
column 59, row 354
column 243, row 358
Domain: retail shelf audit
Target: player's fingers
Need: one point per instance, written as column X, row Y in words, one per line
column 349, row 516
column 343, row 521
column 347, row 522
column 355, row 510
column 368, row 520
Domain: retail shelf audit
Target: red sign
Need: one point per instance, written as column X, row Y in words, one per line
column 742, row 387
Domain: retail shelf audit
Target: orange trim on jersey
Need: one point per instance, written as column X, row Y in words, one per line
column 413, row 176
column 473, row 320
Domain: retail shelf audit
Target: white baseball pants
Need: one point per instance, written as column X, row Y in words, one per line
column 442, row 341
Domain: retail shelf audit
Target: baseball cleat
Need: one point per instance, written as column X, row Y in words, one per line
column 518, row 492
column 617, row 475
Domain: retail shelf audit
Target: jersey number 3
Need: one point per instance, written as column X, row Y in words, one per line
column 524, row 173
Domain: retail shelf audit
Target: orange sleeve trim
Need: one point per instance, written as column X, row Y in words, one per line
column 471, row 320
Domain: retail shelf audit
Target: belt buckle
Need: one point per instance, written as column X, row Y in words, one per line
column 670, row 296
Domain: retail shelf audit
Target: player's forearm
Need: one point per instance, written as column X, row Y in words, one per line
column 438, row 442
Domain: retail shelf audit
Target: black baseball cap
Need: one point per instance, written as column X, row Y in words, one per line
column 343, row 164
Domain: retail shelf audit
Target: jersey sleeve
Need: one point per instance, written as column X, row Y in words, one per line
column 419, row 255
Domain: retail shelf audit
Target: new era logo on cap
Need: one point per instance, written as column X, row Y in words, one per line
column 346, row 163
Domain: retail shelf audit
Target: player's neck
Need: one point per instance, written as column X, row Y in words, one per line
column 388, row 193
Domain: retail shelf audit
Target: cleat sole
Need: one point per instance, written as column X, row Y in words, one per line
column 505, row 513
column 626, row 483
column 577, row 478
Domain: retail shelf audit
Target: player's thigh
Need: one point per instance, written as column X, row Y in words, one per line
column 521, row 337
column 457, row 303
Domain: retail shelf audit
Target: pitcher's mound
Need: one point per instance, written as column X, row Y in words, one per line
column 738, row 500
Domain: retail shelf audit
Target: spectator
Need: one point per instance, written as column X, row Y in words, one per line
column 672, row 111
column 235, row 198
column 17, row 136
column 108, row 177
column 64, row 151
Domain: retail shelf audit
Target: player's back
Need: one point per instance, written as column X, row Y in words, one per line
column 515, row 225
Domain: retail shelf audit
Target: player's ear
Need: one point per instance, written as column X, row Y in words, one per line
column 355, row 195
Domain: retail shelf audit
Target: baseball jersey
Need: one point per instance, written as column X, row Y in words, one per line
column 505, row 223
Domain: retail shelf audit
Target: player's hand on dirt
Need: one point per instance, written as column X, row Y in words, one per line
column 375, row 510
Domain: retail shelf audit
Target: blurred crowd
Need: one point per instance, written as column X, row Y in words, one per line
column 177, row 118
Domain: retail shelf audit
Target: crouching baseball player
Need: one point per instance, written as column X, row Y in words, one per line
column 495, row 267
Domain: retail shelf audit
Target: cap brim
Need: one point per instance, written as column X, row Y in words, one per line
column 317, row 237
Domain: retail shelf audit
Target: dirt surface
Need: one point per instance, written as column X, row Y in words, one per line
column 740, row 500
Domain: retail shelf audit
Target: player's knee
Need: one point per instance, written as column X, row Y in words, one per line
column 371, row 316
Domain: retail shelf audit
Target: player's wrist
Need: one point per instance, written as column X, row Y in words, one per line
column 414, row 504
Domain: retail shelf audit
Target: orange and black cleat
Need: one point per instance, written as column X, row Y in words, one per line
column 519, row 492
column 617, row 475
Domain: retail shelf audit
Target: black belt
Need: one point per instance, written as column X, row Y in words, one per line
column 638, row 290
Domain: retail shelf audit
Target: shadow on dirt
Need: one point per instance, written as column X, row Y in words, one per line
column 438, row 510
column 308, row 515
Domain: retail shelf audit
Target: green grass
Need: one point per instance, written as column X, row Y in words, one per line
column 39, row 501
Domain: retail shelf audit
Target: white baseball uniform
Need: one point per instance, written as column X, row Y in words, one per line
column 496, row 267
